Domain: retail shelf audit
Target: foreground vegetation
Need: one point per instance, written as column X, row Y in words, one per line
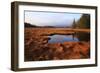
column 37, row 47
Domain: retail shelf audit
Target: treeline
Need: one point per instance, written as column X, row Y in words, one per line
column 29, row 25
column 83, row 22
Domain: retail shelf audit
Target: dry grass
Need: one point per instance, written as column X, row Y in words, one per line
column 37, row 47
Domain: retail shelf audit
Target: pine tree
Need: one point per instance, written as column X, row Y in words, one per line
column 74, row 24
column 84, row 21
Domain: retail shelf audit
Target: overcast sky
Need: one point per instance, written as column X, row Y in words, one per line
column 51, row 18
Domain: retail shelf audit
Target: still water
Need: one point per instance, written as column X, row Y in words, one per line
column 57, row 38
column 62, row 38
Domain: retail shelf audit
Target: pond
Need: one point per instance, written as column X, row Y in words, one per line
column 58, row 38
column 61, row 38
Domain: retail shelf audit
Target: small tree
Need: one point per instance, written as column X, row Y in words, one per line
column 74, row 24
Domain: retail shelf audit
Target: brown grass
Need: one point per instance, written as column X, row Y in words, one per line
column 37, row 47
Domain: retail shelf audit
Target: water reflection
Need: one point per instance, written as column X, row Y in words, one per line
column 83, row 36
column 79, row 36
column 62, row 38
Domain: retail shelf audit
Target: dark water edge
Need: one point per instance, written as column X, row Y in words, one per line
column 83, row 36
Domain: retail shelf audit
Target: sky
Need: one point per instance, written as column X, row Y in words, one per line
column 56, row 19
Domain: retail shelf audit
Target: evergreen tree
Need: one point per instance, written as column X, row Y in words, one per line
column 74, row 24
column 84, row 21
